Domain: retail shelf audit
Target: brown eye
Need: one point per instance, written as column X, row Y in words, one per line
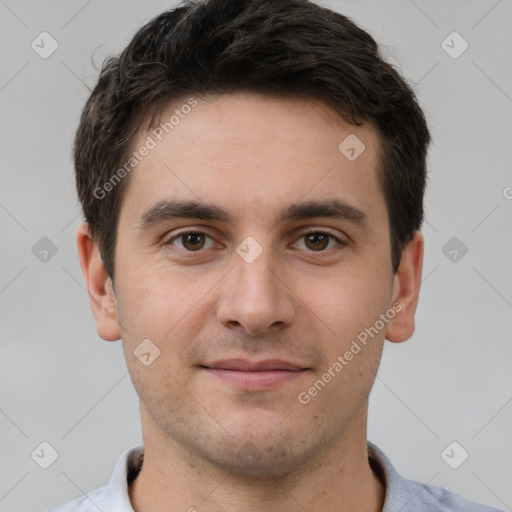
column 317, row 241
column 189, row 241
column 193, row 241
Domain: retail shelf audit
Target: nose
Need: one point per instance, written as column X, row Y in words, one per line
column 255, row 297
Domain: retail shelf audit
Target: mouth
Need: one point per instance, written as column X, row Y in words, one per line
column 255, row 376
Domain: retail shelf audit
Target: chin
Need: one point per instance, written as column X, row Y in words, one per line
column 260, row 453
column 262, row 462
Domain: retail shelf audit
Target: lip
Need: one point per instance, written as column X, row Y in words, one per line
column 253, row 366
column 255, row 376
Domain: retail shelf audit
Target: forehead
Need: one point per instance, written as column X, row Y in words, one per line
column 256, row 153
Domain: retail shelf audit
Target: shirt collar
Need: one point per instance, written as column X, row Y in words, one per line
column 401, row 494
column 116, row 496
column 398, row 491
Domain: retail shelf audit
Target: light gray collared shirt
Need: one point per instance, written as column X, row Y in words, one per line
column 401, row 495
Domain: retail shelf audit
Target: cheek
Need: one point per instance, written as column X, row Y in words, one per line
column 353, row 347
column 165, row 307
column 348, row 302
column 152, row 308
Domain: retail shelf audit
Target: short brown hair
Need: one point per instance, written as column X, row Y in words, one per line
column 275, row 47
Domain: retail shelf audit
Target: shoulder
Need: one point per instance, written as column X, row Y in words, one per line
column 411, row 496
column 114, row 496
column 435, row 498
column 90, row 503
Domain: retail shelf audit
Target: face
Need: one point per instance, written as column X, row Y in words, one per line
column 253, row 253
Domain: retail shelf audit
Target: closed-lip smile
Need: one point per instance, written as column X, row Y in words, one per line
column 254, row 375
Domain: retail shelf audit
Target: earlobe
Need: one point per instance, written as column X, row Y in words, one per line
column 99, row 285
column 406, row 289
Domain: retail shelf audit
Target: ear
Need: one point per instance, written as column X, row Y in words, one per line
column 406, row 289
column 99, row 285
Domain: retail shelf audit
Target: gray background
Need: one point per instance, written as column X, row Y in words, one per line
column 62, row 384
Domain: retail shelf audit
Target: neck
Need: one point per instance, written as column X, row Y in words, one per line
column 172, row 479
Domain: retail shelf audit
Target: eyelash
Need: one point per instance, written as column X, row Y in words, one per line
column 340, row 243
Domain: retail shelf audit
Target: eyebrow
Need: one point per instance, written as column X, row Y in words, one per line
column 167, row 210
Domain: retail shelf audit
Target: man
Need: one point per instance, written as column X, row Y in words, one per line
column 252, row 177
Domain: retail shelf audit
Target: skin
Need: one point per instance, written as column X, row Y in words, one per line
column 253, row 156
